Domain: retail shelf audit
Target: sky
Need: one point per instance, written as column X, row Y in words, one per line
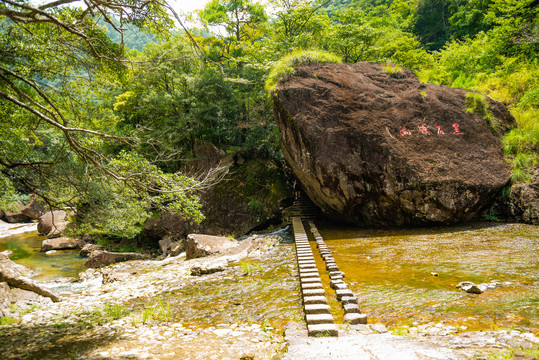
column 188, row 5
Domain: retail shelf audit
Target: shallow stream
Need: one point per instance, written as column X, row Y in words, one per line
column 393, row 273
column 26, row 249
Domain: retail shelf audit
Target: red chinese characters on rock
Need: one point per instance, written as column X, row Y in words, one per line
column 405, row 131
column 423, row 130
column 457, row 130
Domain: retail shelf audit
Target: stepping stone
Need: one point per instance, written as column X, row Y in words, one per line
column 339, row 284
column 351, row 308
column 315, row 299
column 335, row 273
column 332, row 268
column 322, row 330
column 307, row 266
column 340, row 293
column 305, row 258
column 307, row 262
column 312, row 319
column 355, row 319
column 336, row 278
column 313, row 292
column 349, row 300
column 313, row 279
column 306, row 286
column 317, row 309
column 308, row 273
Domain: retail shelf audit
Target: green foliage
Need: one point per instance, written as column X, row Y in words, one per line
column 7, row 320
column 249, row 267
column 393, row 71
column 158, row 312
column 284, row 68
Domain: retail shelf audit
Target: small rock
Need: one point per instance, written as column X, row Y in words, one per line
column 379, row 328
column 205, row 270
column 471, row 288
column 434, row 274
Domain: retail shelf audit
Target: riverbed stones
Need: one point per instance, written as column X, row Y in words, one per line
column 87, row 249
column 198, row 245
column 16, row 216
column 368, row 148
column 472, row 288
column 61, row 243
column 101, row 258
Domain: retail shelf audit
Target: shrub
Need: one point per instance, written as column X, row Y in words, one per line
column 393, row 71
column 284, row 68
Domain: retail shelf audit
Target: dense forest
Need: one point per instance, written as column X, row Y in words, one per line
column 102, row 105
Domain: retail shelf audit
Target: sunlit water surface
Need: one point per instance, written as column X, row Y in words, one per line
column 390, row 271
column 26, row 249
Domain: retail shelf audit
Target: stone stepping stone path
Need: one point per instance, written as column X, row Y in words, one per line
column 352, row 313
column 315, row 304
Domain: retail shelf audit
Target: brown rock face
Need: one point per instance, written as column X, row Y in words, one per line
column 525, row 200
column 372, row 148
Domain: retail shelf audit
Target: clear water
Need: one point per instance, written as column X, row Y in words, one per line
column 26, row 251
column 390, row 271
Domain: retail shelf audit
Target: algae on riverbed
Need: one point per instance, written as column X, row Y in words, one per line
column 390, row 272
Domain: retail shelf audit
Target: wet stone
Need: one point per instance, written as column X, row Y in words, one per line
column 317, row 309
column 318, row 299
column 349, row 300
column 351, row 308
column 313, row 292
column 322, row 330
column 312, row 286
column 340, row 293
column 318, row 319
column 355, row 318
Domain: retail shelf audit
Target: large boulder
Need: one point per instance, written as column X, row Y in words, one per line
column 198, row 245
column 61, row 243
column 371, row 144
column 52, row 223
column 101, row 258
column 524, row 200
column 16, row 216
column 33, row 209
column 167, row 225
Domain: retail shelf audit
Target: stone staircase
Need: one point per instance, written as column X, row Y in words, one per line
column 305, row 209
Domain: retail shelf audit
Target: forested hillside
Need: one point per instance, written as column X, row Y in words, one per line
column 108, row 129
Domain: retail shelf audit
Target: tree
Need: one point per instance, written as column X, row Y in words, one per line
column 58, row 74
column 241, row 20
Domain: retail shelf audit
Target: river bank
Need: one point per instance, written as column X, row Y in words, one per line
column 249, row 308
